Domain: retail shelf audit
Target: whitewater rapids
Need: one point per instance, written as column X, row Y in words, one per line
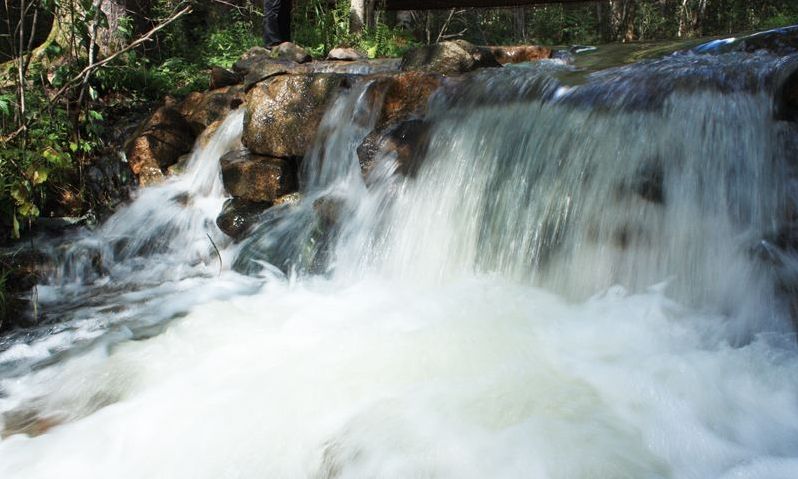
column 478, row 378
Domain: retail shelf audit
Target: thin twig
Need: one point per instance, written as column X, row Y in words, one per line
column 218, row 254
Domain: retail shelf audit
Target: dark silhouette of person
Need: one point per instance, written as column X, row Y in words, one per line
column 276, row 22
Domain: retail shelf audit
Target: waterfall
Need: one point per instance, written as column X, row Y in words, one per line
column 578, row 281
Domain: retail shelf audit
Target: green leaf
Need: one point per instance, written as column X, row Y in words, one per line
column 5, row 108
column 95, row 115
column 39, row 176
column 53, row 50
column 29, row 210
column 19, row 194
column 73, row 147
column 14, row 226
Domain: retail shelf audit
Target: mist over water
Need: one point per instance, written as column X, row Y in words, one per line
column 576, row 282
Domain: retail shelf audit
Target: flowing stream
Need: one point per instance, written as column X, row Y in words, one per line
column 578, row 281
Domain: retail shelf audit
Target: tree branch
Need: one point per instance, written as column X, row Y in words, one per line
column 141, row 40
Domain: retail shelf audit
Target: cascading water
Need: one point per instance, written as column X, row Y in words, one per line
column 578, row 282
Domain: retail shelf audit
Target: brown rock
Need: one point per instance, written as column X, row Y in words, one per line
column 290, row 199
column 179, row 167
column 449, row 58
column 345, row 54
column 405, row 95
column 239, row 216
column 269, row 67
column 158, row 144
column 284, row 112
column 221, row 77
column 150, row 176
column 406, row 142
column 290, row 52
column 250, row 58
column 519, row 53
column 258, row 178
column 27, row 422
column 203, row 109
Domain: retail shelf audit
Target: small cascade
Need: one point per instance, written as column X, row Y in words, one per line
column 300, row 238
column 143, row 266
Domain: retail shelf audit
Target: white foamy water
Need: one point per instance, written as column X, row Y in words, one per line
column 477, row 378
column 564, row 291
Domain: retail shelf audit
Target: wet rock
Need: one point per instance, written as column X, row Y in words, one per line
column 221, row 77
column 405, row 142
column 290, row 199
column 449, row 58
column 238, row 217
column 250, row 59
column 404, row 96
column 179, row 167
column 269, row 67
column 257, row 178
column 345, row 54
column 201, row 110
column 780, row 41
column 329, row 210
column 27, row 422
column 284, row 113
column 787, row 95
column 520, row 53
column 158, row 143
column 26, row 267
column 290, row 52
column 258, row 64
column 23, row 268
column 108, row 182
column 356, row 67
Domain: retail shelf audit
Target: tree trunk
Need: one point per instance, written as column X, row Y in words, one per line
column 361, row 15
column 622, row 19
column 520, row 24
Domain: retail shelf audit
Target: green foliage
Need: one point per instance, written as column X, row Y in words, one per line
column 320, row 27
column 30, row 162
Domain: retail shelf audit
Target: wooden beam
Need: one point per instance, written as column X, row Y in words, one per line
column 443, row 4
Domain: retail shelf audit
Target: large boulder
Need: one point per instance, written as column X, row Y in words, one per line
column 284, row 112
column 449, row 58
column 404, row 95
column 520, row 53
column 257, row 178
column 158, row 143
column 203, row 109
column 400, row 131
